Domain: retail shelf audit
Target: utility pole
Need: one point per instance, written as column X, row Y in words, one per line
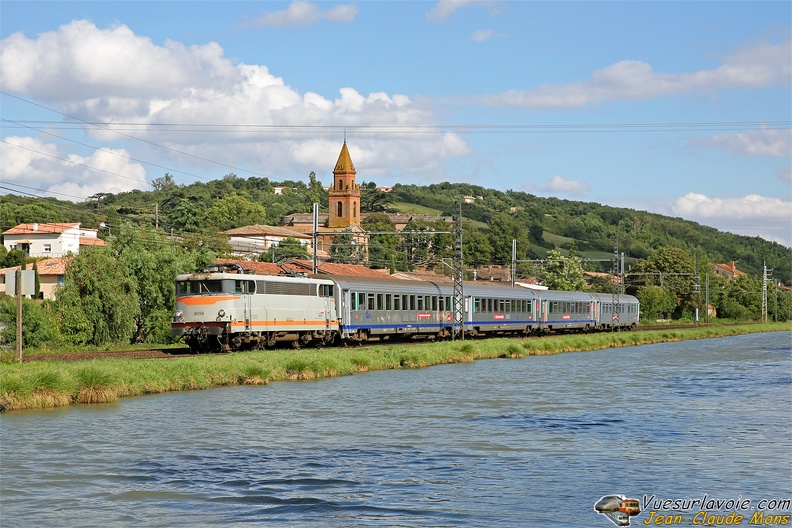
column 697, row 288
column 615, row 299
column 459, row 270
column 765, row 276
column 514, row 262
column 19, row 313
column 315, row 229
column 706, row 297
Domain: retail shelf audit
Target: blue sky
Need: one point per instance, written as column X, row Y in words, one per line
column 680, row 108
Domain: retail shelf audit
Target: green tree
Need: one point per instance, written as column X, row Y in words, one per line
column 672, row 268
column 477, row 247
column 503, row 229
column 383, row 248
column 233, row 211
column 372, row 200
column 166, row 183
column 153, row 260
column 288, row 248
column 38, row 327
column 655, row 301
column 15, row 257
column 741, row 299
column 98, row 303
column 315, row 194
column 344, row 248
column 563, row 273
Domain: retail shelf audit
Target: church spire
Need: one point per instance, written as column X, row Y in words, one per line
column 344, row 193
column 344, row 163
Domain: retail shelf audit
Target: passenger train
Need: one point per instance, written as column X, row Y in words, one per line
column 221, row 311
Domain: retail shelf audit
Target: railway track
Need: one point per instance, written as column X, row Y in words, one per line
column 175, row 353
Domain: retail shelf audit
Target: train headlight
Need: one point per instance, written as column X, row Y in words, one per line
column 220, row 314
column 178, row 316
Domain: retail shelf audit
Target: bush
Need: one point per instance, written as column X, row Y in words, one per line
column 38, row 328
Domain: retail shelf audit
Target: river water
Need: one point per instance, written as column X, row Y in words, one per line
column 515, row 443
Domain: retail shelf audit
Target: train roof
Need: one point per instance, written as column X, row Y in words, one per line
column 224, row 275
column 389, row 285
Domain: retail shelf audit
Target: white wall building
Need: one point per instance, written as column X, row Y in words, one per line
column 44, row 240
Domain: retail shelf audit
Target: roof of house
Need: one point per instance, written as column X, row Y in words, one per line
column 51, row 266
column 91, row 241
column 731, row 268
column 39, row 229
column 264, row 230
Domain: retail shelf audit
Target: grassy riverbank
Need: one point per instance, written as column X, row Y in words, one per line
column 54, row 383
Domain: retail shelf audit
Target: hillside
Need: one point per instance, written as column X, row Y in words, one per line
column 543, row 224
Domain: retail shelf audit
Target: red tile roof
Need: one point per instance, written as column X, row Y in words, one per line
column 91, row 241
column 262, row 268
column 264, row 230
column 52, row 266
column 28, row 229
column 334, row 268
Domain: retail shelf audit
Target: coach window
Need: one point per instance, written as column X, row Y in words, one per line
column 441, row 304
column 420, row 303
column 380, row 301
column 361, row 301
column 388, row 301
column 476, row 305
column 412, row 303
column 397, row 302
column 371, row 302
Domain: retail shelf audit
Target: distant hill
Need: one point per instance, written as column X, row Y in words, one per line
column 550, row 223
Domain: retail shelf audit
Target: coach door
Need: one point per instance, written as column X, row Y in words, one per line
column 246, row 288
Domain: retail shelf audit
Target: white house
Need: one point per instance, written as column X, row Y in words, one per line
column 39, row 240
column 259, row 238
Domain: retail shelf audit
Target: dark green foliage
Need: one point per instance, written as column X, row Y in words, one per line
column 288, row 248
column 656, row 302
column 383, row 248
column 38, row 328
column 563, row 273
column 98, row 304
column 344, row 248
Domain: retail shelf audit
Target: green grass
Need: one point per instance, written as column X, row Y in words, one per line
column 408, row 208
column 41, row 384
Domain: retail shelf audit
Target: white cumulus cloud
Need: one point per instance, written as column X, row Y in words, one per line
column 562, row 185
column 302, row 13
column 755, row 66
column 113, row 75
column 34, row 165
column 761, row 142
column 752, row 214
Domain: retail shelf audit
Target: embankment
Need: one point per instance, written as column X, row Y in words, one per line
column 105, row 380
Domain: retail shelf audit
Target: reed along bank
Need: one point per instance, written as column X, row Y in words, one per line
column 42, row 384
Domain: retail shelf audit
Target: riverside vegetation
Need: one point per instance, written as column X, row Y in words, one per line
column 45, row 384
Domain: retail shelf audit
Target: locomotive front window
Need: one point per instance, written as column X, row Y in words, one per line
column 203, row 287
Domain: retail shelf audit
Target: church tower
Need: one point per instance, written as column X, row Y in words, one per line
column 344, row 202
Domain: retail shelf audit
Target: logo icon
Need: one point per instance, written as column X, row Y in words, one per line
column 618, row 508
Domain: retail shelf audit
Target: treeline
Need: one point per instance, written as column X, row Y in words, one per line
column 495, row 218
column 124, row 292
